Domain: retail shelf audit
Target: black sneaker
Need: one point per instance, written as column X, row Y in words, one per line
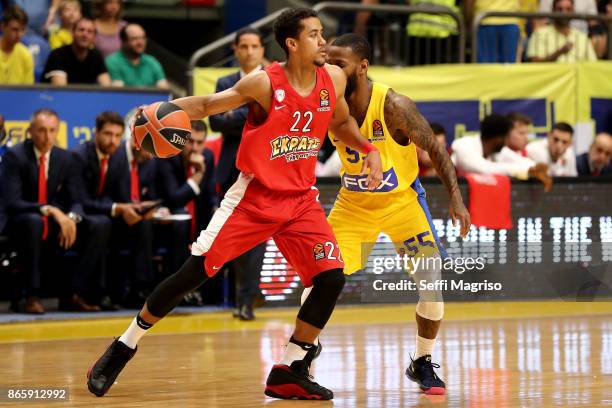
column 101, row 376
column 421, row 371
column 294, row 382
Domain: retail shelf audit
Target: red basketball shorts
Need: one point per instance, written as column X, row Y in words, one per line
column 251, row 213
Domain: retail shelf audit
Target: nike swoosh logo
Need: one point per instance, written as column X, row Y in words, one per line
column 280, row 107
column 216, row 267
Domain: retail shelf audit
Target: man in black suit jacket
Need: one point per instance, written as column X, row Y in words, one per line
column 596, row 162
column 118, row 183
column 249, row 51
column 186, row 184
column 45, row 213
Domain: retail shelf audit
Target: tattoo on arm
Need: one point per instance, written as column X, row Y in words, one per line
column 409, row 126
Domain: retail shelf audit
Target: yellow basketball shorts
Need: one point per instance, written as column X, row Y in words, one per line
column 409, row 227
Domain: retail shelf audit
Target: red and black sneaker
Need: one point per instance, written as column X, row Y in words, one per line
column 101, row 376
column 294, row 382
column 421, row 371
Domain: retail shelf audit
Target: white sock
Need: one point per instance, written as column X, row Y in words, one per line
column 134, row 333
column 424, row 346
column 293, row 352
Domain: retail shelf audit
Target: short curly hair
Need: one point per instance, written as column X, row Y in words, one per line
column 289, row 25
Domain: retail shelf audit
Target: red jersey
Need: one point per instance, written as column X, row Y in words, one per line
column 282, row 151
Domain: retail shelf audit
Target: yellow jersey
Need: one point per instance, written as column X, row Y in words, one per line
column 400, row 164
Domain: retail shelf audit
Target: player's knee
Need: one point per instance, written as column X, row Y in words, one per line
column 192, row 274
column 430, row 310
column 330, row 282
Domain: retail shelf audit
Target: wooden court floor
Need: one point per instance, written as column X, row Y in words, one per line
column 492, row 355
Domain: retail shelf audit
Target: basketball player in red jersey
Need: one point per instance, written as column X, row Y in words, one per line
column 291, row 107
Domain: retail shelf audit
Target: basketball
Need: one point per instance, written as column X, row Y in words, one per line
column 162, row 129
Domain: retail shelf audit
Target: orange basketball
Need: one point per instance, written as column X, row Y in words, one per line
column 162, row 129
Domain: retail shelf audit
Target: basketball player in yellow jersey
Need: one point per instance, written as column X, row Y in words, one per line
column 397, row 207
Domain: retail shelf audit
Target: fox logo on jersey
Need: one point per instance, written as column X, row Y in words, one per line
column 294, row 147
column 359, row 182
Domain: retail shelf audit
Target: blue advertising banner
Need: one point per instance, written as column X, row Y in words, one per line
column 77, row 108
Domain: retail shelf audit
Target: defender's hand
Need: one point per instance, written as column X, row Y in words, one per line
column 540, row 172
column 372, row 161
column 458, row 212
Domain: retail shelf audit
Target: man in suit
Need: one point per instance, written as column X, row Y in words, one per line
column 249, row 51
column 117, row 180
column 187, row 186
column 596, row 162
column 46, row 216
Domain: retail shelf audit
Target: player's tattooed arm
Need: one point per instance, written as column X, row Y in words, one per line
column 407, row 124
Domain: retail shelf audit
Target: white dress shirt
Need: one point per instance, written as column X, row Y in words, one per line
column 565, row 166
column 468, row 157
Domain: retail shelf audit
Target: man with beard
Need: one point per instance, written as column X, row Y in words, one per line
column 559, row 41
column 79, row 62
column 397, row 207
column 131, row 66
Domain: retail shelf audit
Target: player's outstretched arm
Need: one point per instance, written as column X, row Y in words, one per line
column 407, row 123
column 252, row 87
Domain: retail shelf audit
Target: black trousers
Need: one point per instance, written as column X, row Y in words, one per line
column 132, row 258
column 247, row 268
column 37, row 256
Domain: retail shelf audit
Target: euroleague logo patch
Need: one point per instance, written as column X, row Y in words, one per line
column 324, row 97
column 318, row 250
column 377, row 130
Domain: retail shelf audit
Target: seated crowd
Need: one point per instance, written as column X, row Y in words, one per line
column 81, row 215
column 102, row 51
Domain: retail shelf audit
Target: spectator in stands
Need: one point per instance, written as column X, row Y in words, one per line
column 16, row 63
column 426, row 167
column 41, row 13
column 473, row 154
column 596, row 162
column 249, row 51
column 580, row 6
column 187, row 185
column 40, row 50
column 41, row 193
column 515, row 148
column 498, row 37
column 79, row 62
column 599, row 31
column 559, row 41
column 69, row 13
column 107, row 14
column 556, row 151
column 116, row 181
column 432, row 38
column 131, row 66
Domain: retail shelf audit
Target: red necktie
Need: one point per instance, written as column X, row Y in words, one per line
column 134, row 183
column 596, row 172
column 42, row 192
column 524, row 152
column 190, row 206
column 103, row 168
